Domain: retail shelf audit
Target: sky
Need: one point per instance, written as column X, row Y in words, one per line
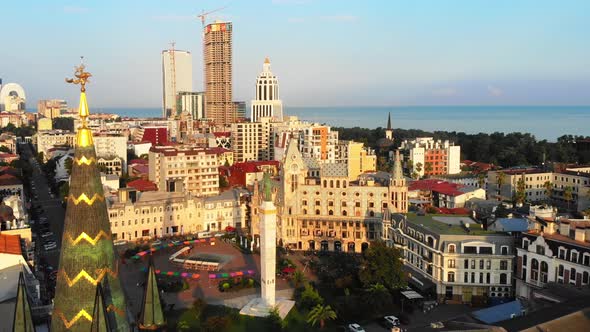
column 324, row 52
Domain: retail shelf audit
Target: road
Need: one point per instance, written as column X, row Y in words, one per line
column 51, row 208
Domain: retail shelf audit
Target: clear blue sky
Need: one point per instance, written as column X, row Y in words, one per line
column 324, row 52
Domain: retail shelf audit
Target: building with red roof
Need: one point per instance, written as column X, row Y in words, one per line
column 443, row 194
column 244, row 174
column 142, row 185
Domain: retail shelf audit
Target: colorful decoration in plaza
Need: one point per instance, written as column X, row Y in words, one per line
column 153, row 249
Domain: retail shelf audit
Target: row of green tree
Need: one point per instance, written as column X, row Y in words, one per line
column 506, row 150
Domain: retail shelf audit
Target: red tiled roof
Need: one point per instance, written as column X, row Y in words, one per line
column 141, row 169
column 443, row 187
column 142, row 185
column 10, row 244
column 138, row 161
column 9, row 179
column 222, row 134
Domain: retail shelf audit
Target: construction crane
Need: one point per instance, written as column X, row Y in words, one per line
column 172, row 74
column 203, row 15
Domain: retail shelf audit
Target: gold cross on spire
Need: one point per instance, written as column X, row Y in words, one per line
column 81, row 76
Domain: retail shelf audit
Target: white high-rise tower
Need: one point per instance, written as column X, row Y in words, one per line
column 267, row 102
column 262, row 306
column 175, row 80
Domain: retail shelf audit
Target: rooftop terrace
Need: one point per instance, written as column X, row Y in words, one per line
column 446, row 225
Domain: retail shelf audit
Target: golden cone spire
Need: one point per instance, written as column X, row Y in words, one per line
column 84, row 136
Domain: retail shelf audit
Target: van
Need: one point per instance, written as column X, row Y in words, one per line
column 201, row 235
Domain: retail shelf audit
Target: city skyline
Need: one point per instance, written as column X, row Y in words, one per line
column 426, row 53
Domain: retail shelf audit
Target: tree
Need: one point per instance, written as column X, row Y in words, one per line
column 548, row 190
column 500, row 178
column 223, row 182
column 568, row 195
column 64, row 191
column 309, row 298
column 418, row 167
column 428, row 167
column 382, row 265
column 320, row 314
column 68, row 163
column 377, row 297
column 63, row 123
column 520, row 190
column 415, row 175
column 481, row 180
column 299, row 278
column 273, row 320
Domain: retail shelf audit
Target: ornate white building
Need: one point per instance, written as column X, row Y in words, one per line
column 267, row 103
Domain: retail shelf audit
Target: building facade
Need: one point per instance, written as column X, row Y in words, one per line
column 453, row 257
column 178, row 169
column 51, row 108
column 321, row 209
column 251, row 141
column 267, row 102
column 192, row 103
column 134, row 216
column 110, row 146
column 177, row 75
column 553, row 251
column 45, row 140
column 432, row 157
column 218, row 73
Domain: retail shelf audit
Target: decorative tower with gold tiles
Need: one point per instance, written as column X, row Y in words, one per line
column 87, row 253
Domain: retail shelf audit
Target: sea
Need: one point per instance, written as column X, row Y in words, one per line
column 544, row 122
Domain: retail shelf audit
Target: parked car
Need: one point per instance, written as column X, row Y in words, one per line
column 120, row 242
column 389, row 322
column 354, row 327
column 156, row 243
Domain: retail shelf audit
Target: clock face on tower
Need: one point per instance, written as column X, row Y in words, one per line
column 295, row 167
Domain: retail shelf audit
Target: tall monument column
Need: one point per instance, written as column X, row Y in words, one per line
column 263, row 305
column 268, row 245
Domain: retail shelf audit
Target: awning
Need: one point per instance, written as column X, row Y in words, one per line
column 412, row 295
column 416, row 279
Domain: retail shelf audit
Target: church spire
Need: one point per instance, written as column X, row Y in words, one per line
column 389, row 121
column 151, row 316
column 87, row 255
column 23, row 318
column 100, row 321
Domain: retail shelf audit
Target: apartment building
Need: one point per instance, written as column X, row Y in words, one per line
column 110, row 146
column 251, row 141
column 46, row 140
column 182, row 168
column 432, row 157
column 51, row 108
column 453, row 257
column 110, row 165
column 503, row 185
column 553, row 251
column 318, row 142
column 359, row 158
column 321, row 209
column 153, row 214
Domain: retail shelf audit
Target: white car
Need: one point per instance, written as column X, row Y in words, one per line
column 354, row 327
column 119, row 242
column 393, row 320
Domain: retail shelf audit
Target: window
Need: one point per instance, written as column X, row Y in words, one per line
column 585, row 277
column 473, row 263
column 487, row 278
column 488, row 264
column 503, row 265
column 466, row 277
column 485, row 250
column 481, row 278
column 534, row 269
column 470, row 250
column 473, row 277
column 524, row 259
column 544, row 271
column 481, row 264
column 586, row 259
column 503, row 279
column 451, row 248
column 451, row 276
column 540, row 250
column 451, row 263
column 525, row 243
column 562, row 253
column 573, row 275
column 574, row 256
column 504, row 250
column 560, row 270
column 466, row 264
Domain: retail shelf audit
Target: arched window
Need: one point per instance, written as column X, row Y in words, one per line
column 331, row 212
column 325, row 183
column 343, row 184
column 451, row 277
column 337, row 183
column 503, row 278
column 304, row 211
column 585, row 277
column 504, row 250
column 371, row 214
column 544, row 269
column 317, row 211
column 534, row 269
column 344, row 213
column 331, row 183
column 524, row 259
column 451, row 248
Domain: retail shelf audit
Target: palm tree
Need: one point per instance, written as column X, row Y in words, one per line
column 548, row 189
column 321, row 314
column 428, row 167
column 418, row 167
column 377, row 296
column 299, row 278
column 568, row 195
column 520, row 190
column 481, row 179
column 500, row 178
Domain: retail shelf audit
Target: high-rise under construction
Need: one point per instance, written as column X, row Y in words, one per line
column 218, row 73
